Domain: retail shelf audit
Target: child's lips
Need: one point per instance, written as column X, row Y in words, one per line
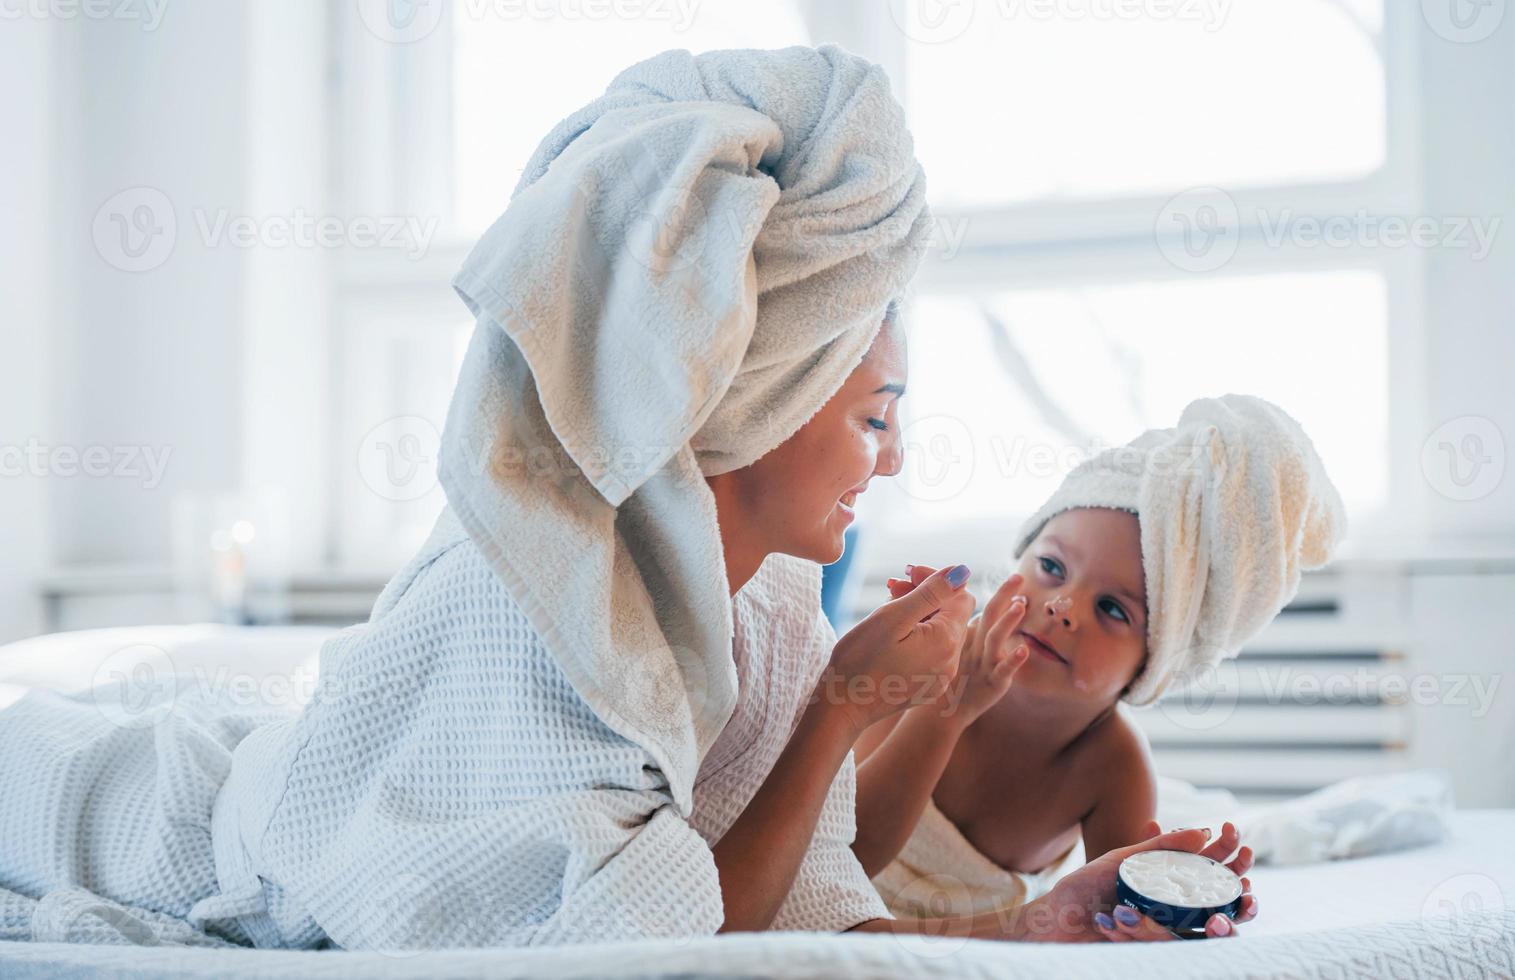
column 1038, row 645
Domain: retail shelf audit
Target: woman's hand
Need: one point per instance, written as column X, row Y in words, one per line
column 905, row 652
column 1078, row 908
column 990, row 655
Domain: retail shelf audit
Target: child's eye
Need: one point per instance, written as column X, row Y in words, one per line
column 1051, row 566
column 1115, row 609
column 879, row 424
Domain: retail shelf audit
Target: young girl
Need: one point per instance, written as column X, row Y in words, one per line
column 1151, row 561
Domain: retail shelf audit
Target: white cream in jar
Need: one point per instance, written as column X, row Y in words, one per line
column 1178, row 889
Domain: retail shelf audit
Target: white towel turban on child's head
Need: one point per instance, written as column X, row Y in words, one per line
column 1233, row 504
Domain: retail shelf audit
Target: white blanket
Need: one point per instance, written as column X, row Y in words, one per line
column 445, row 787
column 1480, row 945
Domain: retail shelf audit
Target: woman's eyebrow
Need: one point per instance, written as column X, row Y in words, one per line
column 892, row 388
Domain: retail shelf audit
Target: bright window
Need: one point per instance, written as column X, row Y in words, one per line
column 1024, row 106
column 1002, row 405
column 514, row 78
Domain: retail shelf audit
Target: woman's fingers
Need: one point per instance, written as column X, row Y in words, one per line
column 914, row 575
column 1132, row 926
column 1249, row 906
column 1222, row 847
column 1242, row 863
column 1105, row 925
column 1189, row 839
column 944, row 592
column 1248, row 910
column 1219, row 927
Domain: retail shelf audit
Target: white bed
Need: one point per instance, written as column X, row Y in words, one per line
column 1436, row 911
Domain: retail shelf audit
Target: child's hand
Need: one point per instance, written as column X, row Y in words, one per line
column 989, row 659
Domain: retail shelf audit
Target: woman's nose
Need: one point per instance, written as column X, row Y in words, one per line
column 1061, row 607
column 891, row 455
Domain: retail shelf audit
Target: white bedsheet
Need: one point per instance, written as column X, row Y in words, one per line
column 1482, row 946
column 1371, row 917
column 1473, row 870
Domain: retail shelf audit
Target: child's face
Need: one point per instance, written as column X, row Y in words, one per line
column 1086, row 600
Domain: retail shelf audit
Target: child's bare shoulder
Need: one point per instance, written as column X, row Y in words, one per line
column 1118, row 756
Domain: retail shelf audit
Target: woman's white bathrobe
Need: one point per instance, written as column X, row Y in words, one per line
column 445, row 787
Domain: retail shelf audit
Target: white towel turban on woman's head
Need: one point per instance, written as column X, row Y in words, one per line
column 689, row 268
column 1233, row 504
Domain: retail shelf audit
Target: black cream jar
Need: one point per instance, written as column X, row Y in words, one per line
column 1178, row 890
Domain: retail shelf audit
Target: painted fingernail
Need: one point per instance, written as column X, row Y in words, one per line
column 1222, row 926
column 1127, row 917
column 909, row 569
column 958, row 575
column 1104, row 921
column 1018, row 599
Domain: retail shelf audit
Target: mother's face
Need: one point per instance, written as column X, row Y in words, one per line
column 799, row 497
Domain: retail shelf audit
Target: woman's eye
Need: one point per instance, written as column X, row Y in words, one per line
column 879, row 424
column 1051, row 566
column 1114, row 608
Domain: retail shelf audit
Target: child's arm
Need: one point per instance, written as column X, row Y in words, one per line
column 1127, row 787
column 759, row 856
column 895, row 780
column 901, row 760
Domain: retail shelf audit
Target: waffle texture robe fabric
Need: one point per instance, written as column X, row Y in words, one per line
column 444, row 787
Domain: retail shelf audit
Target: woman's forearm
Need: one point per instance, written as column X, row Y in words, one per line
column 760, row 855
column 896, row 780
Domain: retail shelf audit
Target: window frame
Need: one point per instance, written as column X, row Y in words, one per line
column 400, row 156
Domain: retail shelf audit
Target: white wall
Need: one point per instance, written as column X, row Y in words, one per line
column 27, row 52
column 1461, row 650
column 1468, row 134
column 217, row 354
column 149, row 358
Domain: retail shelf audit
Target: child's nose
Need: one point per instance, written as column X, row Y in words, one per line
column 1061, row 607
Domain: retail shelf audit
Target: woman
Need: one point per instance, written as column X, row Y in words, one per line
column 601, row 702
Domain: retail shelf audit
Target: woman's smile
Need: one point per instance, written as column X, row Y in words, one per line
column 848, row 502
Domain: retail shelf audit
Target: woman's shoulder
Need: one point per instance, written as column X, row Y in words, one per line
column 447, row 577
